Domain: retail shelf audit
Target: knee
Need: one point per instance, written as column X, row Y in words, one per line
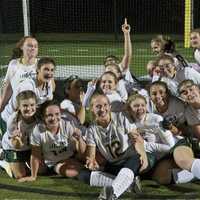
column 184, row 163
column 71, row 173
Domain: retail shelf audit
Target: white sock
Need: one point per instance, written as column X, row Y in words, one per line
column 98, row 178
column 195, row 169
column 182, row 176
column 123, row 180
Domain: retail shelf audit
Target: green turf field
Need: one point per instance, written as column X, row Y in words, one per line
column 81, row 53
column 59, row 188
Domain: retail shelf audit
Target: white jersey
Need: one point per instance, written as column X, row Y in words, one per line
column 69, row 110
column 192, row 116
column 188, row 73
column 55, row 148
column 175, row 108
column 113, row 141
column 17, row 72
column 42, row 95
column 121, row 89
column 25, row 129
column 181, row 75
column 172, row 85
column 116, row 102
column 157, row 139
column 197, row 56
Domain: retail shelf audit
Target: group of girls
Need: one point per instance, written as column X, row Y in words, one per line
column 151, row 132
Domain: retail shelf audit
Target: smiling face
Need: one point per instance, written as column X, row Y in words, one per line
column 137, row 108
column 195, row 40
column 30, row 48
column 108, row 83
column 45, row 72
column 190, row 94
column 52, row 117
column 158, row 94
column 167, row 67
column 27, row 107
column 156, row 47
column 100, row 108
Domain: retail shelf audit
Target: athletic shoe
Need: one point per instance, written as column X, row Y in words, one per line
column 107, row 194
column 137, row 187
column 1, row 154
column 5, row 165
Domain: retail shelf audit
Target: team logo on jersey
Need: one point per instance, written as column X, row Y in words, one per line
column 28, row 75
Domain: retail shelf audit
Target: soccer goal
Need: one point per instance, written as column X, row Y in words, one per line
column 79, row 34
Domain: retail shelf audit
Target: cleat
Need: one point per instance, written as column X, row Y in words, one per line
column 137, row 187
column 107, row 194
column 5, row 165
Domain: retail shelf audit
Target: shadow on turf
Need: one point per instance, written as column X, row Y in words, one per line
column 94, row 195
column 44, row 191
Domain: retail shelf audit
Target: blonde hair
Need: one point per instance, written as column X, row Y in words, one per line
column 133, row 97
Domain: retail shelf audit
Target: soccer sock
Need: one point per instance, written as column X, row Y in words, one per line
column 123, row 180
column 195, row 169
column 182, row 176
column 101, row 179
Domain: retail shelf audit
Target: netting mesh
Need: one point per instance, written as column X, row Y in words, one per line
column 80, row 33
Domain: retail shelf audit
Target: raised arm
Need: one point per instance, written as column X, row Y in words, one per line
column 81, row 113
column 127, row 46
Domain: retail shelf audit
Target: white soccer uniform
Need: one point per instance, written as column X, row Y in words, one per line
column 25, row 129
column 113, row 141
column 196, row 65
column 192, row 116
column 197, row 56
column 121, row 89
column 181, row 75
column 188, row 73
column 69, row 109
column 17, row 72
column 42, row 95
column 116, row 102
column 55, row 148
column 156, row 138
column 175, row 108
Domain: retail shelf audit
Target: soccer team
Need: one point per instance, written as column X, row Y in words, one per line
column 150, row 131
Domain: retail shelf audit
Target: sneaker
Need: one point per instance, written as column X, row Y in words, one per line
column 137, row 187
column 5, row 165
column 107, row 194
column 1, row 154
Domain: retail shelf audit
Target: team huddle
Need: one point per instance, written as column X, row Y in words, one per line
column 149, row 131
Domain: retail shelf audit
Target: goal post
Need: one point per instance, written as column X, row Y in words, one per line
column 188, row 22
column 26, row 17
